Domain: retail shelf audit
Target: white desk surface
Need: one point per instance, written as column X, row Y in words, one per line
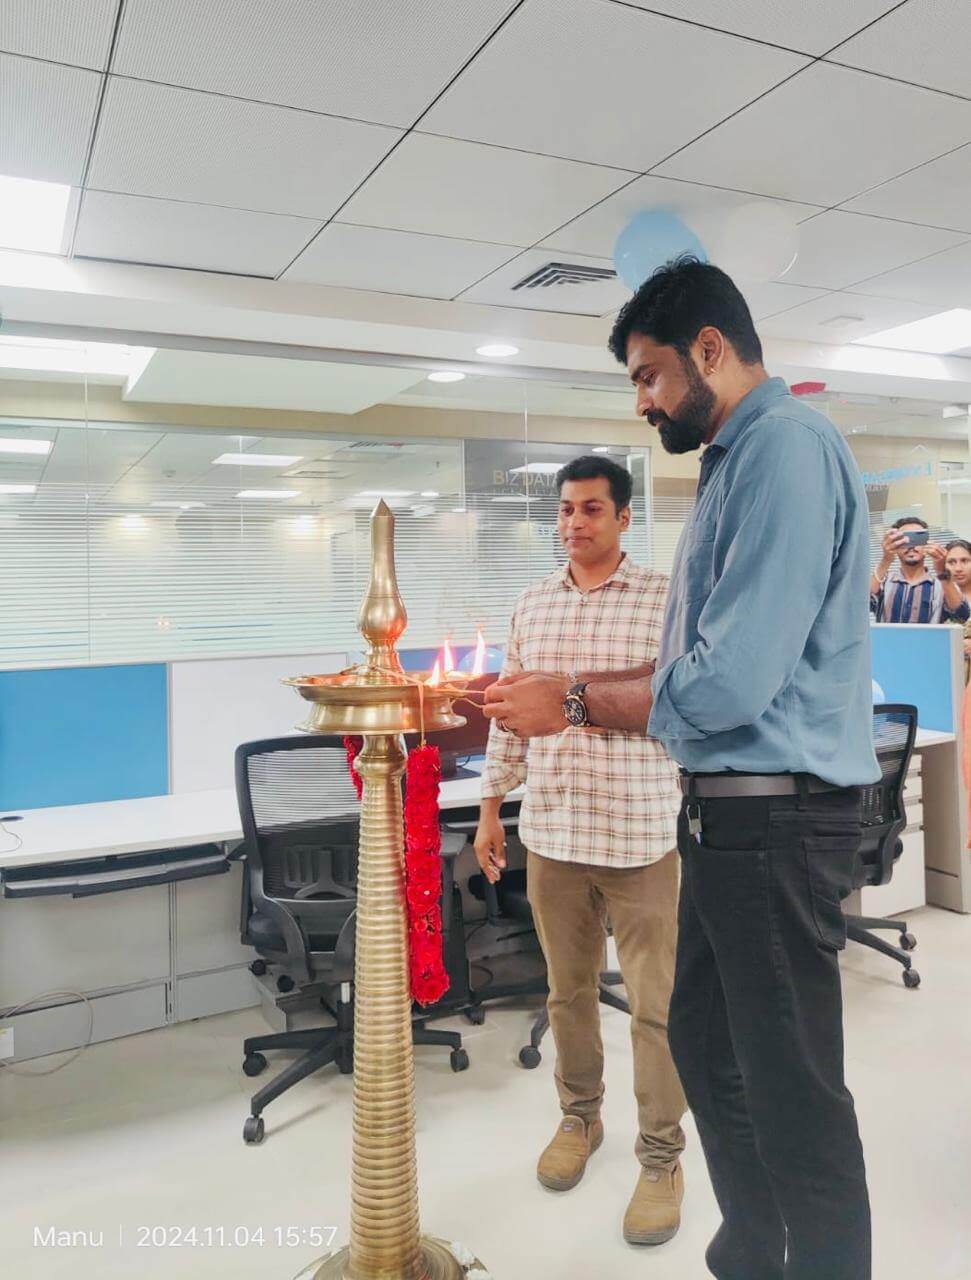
column 70, row 833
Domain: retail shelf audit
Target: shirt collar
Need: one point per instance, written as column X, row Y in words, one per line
column 747, row 410
column 621, row 575
column 895, row 575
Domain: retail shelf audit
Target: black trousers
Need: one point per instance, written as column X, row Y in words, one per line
column 756, row 1030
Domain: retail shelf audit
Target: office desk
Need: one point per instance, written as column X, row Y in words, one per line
column 145, row 957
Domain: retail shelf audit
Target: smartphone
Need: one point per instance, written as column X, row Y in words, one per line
column 918, row 539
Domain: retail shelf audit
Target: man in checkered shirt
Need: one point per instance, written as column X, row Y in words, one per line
column 599, row 825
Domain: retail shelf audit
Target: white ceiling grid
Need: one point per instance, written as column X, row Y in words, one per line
column 441, row 148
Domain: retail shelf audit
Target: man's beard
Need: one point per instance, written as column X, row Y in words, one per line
column 690, row 426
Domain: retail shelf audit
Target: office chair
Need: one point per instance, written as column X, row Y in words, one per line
column 506, row 903
column 884, row 819
column 299, row 813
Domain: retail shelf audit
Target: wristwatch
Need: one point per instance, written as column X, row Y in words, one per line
column 574, row 707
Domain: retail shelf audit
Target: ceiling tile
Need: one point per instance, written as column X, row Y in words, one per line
column 396, row 261
column 59, row 30
column 825, row 136
column 174, row 234
column 767, row 297
column 524, row 91
column 596, row 231
column 443, row 187
column 837, row 249
column 47, row 113
column 380, row 61
column 589, row 299
column 813, row 28
column 937, row 194
column 940, row 282
column 923, row 41
column 242, row 154
column 841, row 317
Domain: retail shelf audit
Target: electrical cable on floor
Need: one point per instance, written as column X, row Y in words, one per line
column 12, row 835
column 49, row 1071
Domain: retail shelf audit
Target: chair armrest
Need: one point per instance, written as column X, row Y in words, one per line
column 344, row 949
column 453, row 842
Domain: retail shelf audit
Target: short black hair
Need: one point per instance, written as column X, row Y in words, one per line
column 899, row 524
column 679, row 300
column 592, row 465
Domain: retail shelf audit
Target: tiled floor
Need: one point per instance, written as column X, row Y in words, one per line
column 146, row 1132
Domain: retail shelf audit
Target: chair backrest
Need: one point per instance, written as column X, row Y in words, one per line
column 884, row 818
column 300, row 819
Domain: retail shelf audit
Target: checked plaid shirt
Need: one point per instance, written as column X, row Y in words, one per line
column 609, row 800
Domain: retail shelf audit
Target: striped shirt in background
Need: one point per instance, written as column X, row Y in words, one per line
column 921, row 601
column 609, row 800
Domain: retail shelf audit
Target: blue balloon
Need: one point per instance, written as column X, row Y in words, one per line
column 648, row 241
column 493, row 660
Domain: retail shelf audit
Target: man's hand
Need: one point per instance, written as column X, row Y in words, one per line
column 938, row 555
column 893, row 543
column 490, row 846
column 529, row 704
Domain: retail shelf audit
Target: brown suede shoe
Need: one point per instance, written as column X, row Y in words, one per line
column 654, row 1212
column 562, row 1164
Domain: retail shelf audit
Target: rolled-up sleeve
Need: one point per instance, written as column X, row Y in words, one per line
column 505, row 762
column 774, row 545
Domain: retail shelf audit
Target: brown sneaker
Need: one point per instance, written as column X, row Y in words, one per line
column 654, row 1212
column 562, row 1164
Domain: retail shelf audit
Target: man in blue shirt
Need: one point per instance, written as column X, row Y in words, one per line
column 762, row 694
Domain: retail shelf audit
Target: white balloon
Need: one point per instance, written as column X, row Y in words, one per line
column 755, row 241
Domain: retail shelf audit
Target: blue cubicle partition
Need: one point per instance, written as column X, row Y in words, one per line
column 913, row 664
column 73, row 735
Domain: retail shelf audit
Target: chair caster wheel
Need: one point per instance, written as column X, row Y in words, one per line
column 530, row 1057
column 285, row 983
column 254, row 1064
column 459, row 1060
column 258, row 968
column 911, row 978
column 253, row 1131
column 908, row 941
column 475, row 1015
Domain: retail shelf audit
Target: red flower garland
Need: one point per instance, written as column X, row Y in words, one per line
column 423, row 869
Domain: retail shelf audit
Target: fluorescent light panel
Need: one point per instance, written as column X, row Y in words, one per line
column 268, row 493
column 936, row 335
column 42, row 447
column 256, row 460
column 32, row 214
column 446, row 375
column 56, row 355
column 18, row 488
column 496, row 350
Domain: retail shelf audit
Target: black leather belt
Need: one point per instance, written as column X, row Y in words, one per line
column 722, row 786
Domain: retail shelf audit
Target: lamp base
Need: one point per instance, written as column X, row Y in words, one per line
column 440, row 1263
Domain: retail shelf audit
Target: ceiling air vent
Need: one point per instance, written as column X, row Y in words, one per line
column 564, row 273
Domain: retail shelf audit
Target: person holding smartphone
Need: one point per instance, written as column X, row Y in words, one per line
column 912, row 591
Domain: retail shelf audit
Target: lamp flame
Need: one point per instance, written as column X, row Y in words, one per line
column 448, row 659
column 436, row 675
column 478, row 663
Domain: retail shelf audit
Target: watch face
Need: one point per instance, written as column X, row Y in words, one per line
column 574, row 710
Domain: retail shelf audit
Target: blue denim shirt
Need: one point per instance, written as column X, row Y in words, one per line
column 764, row 664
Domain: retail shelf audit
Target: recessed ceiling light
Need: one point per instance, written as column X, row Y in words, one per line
column 256, row 459
column 32, row 214
column 430, row 493
column 537, row 469
column 496, row 350
column 936, row 335
column 18, row 488
column 181, row 506
column 446, row 375
column 603, row 448
column 268, row 493
column 26, row 446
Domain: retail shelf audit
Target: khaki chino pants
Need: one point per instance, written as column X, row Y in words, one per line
column 571, row 904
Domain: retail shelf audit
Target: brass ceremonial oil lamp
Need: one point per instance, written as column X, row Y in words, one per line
column 377, row 701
